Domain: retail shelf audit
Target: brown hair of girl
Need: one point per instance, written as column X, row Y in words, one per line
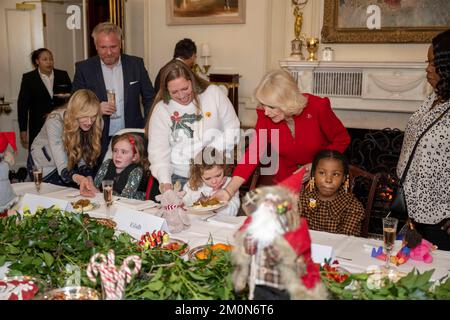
column 138, row 147
column 206, row 159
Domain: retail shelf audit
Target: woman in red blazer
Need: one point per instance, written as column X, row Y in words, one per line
column 297, row 126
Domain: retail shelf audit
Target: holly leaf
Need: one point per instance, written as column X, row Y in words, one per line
column 48, row 258
column 409, row 280
column 191, row 117
column 424, row 278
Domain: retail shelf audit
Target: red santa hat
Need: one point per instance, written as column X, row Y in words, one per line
column 7, row 138
column 295, row 181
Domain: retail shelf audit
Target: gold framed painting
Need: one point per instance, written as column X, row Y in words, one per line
column 400, row 21
column 184, row 12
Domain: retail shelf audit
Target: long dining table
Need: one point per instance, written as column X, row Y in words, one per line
column 353, row 253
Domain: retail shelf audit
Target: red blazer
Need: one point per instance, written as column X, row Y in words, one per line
column 316, row 128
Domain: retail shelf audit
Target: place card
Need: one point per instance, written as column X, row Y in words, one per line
column 32, row 202
column 136, row 223
column 320, row 252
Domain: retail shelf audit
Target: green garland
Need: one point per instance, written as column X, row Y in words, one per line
column 364, row 286
column 42, row 245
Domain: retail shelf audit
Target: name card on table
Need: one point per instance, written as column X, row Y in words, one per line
column 136, row 223
column 32, row 202
column 320, row 252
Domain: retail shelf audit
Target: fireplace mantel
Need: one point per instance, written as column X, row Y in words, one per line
column 371, row 95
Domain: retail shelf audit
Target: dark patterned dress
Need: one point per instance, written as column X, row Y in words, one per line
column 343, row 215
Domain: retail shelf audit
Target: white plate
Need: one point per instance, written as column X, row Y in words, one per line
column 201, row 209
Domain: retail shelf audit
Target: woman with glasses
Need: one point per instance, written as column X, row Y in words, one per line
column 295, row 126
column 68, row 145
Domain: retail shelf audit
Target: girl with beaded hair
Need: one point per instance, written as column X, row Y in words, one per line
column 273, row 249
column 327, row 203
column 428, row 175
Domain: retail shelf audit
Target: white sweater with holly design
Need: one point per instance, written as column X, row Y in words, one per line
column 177, row 133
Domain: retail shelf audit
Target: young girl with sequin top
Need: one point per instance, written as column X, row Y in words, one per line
column 128, row 167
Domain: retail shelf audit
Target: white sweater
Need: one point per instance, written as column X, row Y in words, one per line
column 176, row 135
column 231, row 209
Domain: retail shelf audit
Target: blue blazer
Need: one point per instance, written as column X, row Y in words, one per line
column 136, row 83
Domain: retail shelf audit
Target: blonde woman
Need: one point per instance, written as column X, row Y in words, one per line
column 69, row 143
column 298, row 125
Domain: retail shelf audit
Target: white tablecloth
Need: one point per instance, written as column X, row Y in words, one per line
column 353, row 253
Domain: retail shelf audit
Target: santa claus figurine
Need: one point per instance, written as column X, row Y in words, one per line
column 273, row 249
column 7, row 195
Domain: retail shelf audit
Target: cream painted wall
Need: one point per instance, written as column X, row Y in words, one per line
column 312, row 22
column 20, row 33
column 255, row 47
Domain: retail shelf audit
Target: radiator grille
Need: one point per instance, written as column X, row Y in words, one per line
column 337, row 83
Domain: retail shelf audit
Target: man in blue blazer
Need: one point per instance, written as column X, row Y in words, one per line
column 125, row 74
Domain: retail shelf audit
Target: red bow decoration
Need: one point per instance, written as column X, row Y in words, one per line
column 133, row 143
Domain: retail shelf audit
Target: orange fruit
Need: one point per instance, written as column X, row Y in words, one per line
column 221, row 246
column 203, row 254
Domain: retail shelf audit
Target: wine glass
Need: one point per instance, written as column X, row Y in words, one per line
column 111, row 95
column 107, row 186
column 37, row 177
column 389, row 233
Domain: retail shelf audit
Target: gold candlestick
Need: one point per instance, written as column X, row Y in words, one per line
column 297, row 42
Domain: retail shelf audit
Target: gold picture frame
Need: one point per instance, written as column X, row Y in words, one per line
column 344, row 21
column 190, row 12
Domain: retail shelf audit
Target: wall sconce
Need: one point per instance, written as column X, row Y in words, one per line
column 206, row 53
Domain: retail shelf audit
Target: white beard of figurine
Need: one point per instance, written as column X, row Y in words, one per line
column 265, row 227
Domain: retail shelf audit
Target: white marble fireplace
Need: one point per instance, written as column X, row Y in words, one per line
column 368, row 95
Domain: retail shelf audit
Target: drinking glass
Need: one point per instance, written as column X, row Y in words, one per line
column 111, row 95
column 107, row 186
column 37, row 177
column 389, row 233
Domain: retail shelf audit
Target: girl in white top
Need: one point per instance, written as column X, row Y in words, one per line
column 188, row 114
column 206, row 177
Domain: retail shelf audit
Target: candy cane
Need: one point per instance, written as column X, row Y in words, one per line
column 94, row 267
column 125, row 273
column 113, row 280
